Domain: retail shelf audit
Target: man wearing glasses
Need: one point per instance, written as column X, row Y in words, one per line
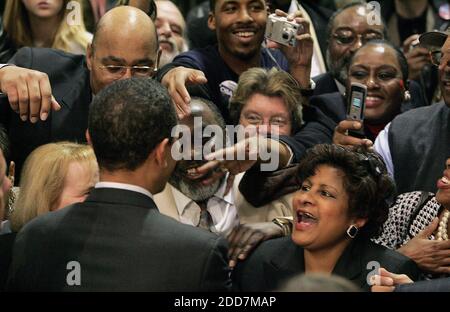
column 348, row 30
column 48, row 92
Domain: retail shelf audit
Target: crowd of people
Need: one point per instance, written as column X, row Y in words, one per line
column 94, row 195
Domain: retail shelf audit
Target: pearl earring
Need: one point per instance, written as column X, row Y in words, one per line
column 407, row 95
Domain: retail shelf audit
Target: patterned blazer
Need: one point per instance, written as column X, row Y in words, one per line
column 411, row 213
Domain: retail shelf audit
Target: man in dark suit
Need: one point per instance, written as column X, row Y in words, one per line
column 117, row 240
column 43, row 79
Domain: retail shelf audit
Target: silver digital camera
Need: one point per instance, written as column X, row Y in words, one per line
column 282, row 31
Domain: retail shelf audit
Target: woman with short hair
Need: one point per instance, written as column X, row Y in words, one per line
column 342, row 203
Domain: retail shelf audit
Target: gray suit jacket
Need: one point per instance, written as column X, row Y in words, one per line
column 122, row 243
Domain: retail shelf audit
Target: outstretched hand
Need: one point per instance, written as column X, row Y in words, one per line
column 29, row 92
column 176, row 80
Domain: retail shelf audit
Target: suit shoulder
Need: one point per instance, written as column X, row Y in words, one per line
column 271, row 249
column 44, row 55
column 420, row 115
column 391, row 260
column 187, row 234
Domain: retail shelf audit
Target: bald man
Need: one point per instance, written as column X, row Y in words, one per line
column 48, row 92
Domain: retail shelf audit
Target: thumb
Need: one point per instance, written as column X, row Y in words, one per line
column 197, row 77
column 426, row 232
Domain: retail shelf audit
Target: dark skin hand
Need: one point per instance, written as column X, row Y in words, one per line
column 430, row 255
column 29, row 92
column 246, row 237
column 341, row 137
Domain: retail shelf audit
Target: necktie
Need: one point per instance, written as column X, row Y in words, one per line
column 206, row 221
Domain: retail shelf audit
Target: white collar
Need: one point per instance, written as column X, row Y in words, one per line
column 124, row 186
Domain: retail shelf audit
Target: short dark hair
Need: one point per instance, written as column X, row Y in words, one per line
column 369, row 187
column 127, row 120
column 212, row 5
column 401, row 58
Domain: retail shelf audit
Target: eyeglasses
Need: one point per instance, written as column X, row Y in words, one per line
column 136, row 71
column 349, row 38
column 257, row 120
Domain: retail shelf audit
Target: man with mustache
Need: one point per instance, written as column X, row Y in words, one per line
column 171, row 28
column 348, row 29
column 201, row 200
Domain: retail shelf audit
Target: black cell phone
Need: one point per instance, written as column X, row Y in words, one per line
column 356, row 106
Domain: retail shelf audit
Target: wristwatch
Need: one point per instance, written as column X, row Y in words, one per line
column 310, row 90
column 285, row 224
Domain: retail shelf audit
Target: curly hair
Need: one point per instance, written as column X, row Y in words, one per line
column 369, row 187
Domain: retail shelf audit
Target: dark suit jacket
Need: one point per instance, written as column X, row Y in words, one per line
column 6, row 246
column 436, row 285
column 122, row 243
column 277, row 260
column 69, row 79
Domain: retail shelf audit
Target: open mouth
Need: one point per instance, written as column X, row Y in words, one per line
column 373, row 100
column 305, row 220
column 244, row 34
column 443, row 183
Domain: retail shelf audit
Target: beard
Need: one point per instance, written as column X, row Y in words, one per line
column 168, row 56
column 193, row 188
column 339, row 69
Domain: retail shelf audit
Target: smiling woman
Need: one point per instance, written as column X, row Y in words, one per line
column 342, row 202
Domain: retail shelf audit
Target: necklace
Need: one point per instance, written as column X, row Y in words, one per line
column 442, row 229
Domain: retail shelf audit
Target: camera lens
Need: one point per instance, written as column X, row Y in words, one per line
column 285, row 36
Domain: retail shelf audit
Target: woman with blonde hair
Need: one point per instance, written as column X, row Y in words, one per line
column 46, row 24
column 55, row 175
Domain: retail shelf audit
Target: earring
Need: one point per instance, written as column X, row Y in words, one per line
column 352, row 231
column 407, row 95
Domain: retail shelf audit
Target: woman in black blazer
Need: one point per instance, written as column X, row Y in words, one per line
column 342, row 202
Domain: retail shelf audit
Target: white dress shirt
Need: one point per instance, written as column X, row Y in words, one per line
column 220, row 206
column 124, row 186
column 381, row 146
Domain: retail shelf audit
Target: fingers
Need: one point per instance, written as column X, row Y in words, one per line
column 426, row 232
column 230, row 182
column 29, row 93
column 22, row 90
column 210, row 165
column 387, row 278
column 176, row 81
column 12, row 172
column 48, row 101
column 382, row 288
column 215, row 176
column 409, row 41
column 34, row 94
column 244, row 241
column 341, row 136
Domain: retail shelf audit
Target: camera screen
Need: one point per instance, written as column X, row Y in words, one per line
column 357, row 96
